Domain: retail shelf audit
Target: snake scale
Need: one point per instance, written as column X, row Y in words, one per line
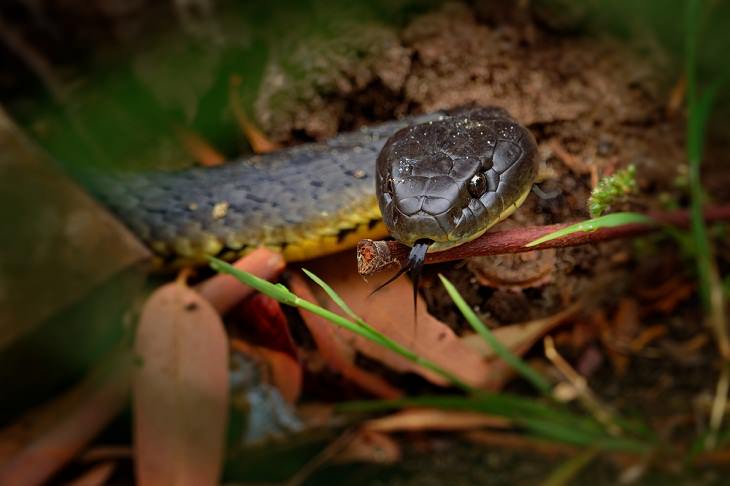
column 440, row 179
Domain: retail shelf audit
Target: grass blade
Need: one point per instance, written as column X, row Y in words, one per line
column 285, row 296
column 502, row 351
column 538, row 418
column 608, row 221
column 699, row 106
column 333, row 295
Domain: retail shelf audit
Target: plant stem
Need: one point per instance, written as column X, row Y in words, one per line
column 375, row 256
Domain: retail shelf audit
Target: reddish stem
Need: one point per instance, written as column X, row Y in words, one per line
column 374, row 256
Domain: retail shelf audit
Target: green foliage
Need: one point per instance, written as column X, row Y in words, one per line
column 699, row 105
column 607, row 221
column 527, row 372
column 612, row 189
column 539, row 419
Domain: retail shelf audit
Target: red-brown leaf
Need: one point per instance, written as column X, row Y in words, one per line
column 284, row 372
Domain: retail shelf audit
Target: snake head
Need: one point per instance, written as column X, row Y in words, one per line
column 448, row 181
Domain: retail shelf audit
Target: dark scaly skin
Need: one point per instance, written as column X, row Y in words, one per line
column 314, row 199
column 306, row 201
column 423, row 174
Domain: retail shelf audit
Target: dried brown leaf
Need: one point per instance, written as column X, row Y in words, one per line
column 336, row 348
column 43, row 441
column 520, row 337
column 180, row 390
column 390, row 311
column 434, row 419
column 371, row 447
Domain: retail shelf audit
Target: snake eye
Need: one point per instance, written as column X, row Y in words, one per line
column 389, row 185
column 477, row 185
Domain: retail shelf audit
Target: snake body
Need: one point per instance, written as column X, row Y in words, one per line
column 317, row 198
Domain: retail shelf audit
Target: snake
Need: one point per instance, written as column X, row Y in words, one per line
column 430, row 181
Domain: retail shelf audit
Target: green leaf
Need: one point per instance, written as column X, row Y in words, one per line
column 502, row 351
column 608, row 221
column 333, row 295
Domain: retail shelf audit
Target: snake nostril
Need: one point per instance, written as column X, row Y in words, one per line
column 477, row 185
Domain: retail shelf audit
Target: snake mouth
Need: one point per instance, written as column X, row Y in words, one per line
column 414, row 266
column 443, row 230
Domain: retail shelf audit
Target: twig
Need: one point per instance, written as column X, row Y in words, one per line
column 600, row 411
column 374, row 256
column 718, row 407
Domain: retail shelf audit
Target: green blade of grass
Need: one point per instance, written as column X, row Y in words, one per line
column 538, row 418
column 502, row 351
column 608, row 221
column 376, row 335
column 699, row 106
column 333, row 295
column 571, row 434
column 285, row 296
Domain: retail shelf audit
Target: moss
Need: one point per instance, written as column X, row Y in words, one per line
column 612, row 189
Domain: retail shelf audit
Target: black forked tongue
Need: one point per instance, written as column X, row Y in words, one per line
column 413, row 266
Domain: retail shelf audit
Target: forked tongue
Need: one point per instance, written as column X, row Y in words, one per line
column 413, row 266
